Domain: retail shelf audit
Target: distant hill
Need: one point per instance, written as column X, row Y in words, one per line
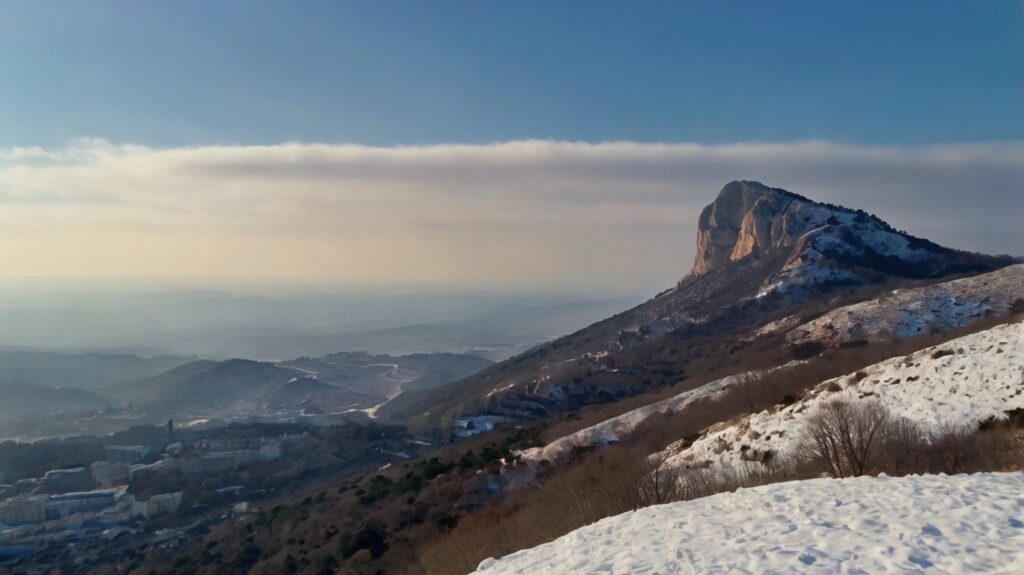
column 206, row 388
column 25, row 399
column 387, row 375
column 327, row 384
column 81, row 370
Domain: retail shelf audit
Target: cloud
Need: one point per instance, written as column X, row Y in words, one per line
column 613, row 214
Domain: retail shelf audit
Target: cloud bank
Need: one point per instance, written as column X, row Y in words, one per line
column 615, row 215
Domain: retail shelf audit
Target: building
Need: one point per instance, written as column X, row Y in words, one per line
column 73, row 479
column 230, row 443
column 157, row 505
column 222, row 461
column 125, row 453
column 67, row 504
column 109, row 474
column 23, row 510
column 468, row 426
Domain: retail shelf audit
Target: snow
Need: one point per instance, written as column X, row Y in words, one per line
column 614, row 429
column 821, row 242
column 909, row 312
column 915, row 524
column 807, row 271
column 970, row 379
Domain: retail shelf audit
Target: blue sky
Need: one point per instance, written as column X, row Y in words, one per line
column 384, row 73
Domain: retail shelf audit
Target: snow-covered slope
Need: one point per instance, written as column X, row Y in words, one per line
column 963, row 381
column 616, row 428
column 926, row 524
column 909, row 312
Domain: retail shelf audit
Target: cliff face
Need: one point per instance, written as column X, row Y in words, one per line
column 746, row 219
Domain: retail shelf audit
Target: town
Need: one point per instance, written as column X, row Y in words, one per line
column 192, row 477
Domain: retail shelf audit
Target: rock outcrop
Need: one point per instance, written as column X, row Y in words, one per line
column 815, row 245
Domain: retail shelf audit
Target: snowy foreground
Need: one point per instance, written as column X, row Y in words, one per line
column 918, row 524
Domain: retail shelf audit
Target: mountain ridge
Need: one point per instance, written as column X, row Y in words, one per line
column 762, row 253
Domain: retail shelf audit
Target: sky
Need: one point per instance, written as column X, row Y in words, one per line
column 550, row 144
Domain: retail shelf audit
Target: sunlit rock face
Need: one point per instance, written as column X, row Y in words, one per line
column 815, row 245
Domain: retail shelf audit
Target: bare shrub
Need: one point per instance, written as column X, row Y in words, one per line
column 659, row 485
column 845, row 439
column 953, row 448
column 905, row 444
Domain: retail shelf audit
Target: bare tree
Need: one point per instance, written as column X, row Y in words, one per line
column 846, row 438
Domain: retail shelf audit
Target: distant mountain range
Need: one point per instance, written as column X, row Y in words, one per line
column 81, row 370
column 336, row 382
column 235, row 388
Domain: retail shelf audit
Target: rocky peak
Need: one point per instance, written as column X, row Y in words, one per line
column 749, row 219
column 812, row 244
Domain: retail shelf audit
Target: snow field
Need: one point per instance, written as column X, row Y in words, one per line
column 915, row 524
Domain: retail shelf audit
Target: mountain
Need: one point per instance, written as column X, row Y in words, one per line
column 762, row 254
column 936, row 309
column 81, row 370
column 818, row 245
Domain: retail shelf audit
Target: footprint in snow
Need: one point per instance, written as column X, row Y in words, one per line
column 918, row 559
column 931, row 530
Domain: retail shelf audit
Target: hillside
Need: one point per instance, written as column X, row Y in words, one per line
column 878, row 321
column 388, row 375
column 763, row 254
column 959, row 524
column 308, row 395
column 965, row 382
column 908, row 312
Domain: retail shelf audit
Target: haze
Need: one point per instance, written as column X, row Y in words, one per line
column 190, row 147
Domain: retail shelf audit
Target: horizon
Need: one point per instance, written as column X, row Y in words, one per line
column 478, row 146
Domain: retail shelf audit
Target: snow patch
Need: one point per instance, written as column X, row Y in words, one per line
column 612, row 430
column 909, row 312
